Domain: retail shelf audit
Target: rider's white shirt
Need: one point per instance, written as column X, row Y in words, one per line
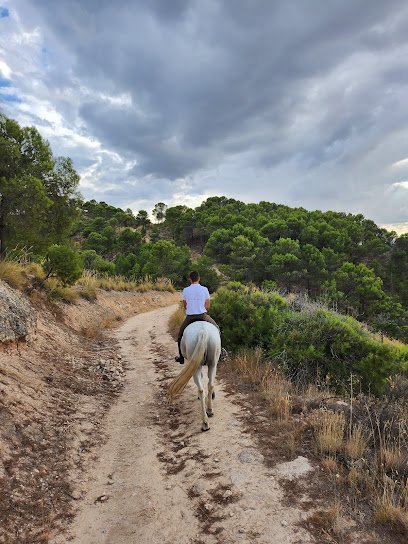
column 195, row 295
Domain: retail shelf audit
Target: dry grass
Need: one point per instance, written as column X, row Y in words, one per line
column 328, row 431
column 97, row 328
column 163, row 284
column 90, row 281
column 58, row 292
column 274, row 387
column 13, row 273
column 36, row 270
column 330, row 464
column 250, row 365
column 356, row 442
column 393, row 458
column 391, row 507
column 328, row 522
column 360, row 448
column 89, row 284
column 176, row 319
column 276, row 390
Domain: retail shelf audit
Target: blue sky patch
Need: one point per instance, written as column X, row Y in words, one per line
column 4, row 82
column 10, row 98
column 4, row 12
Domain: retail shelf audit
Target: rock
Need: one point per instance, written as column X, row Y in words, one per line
column 241, row 530
column 293, row 469
column 208, row 507
column 250, row 456
column 76, row 495
column 102, row 498
column 227, row 494
column 284, row 523
column 197, row 489
column 18, row 318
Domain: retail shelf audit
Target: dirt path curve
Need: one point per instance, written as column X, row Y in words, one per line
column 159, row 480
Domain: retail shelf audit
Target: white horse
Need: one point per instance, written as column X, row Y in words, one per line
column 201, row 344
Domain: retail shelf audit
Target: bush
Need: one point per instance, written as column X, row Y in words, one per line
column 246, row 316
column 310, row 342
column 322, row 345
column 93, row 261
column 63, row 262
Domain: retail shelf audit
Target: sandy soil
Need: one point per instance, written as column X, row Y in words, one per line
column 55, row 390
column 158, row 479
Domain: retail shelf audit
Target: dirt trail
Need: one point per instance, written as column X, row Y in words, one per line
column 158, row 479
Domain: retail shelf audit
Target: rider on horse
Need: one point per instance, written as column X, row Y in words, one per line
column 196, row 302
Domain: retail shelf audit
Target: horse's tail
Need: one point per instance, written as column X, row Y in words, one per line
column 180, row 381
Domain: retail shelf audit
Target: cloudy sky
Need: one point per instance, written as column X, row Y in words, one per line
column 302, row 102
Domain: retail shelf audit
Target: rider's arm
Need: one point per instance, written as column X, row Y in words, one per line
column 207, row 304
column 185, row 304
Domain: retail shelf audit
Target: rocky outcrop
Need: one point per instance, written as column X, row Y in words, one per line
column 17, row 317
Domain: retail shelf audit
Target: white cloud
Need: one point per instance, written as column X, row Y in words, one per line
column 403, row 184
column 401, row 163
column 5, row 69
column 178, row 101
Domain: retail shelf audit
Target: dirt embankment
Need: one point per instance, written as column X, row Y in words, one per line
column 54, row 389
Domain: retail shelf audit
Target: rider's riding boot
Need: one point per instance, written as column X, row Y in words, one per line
column 179, row 358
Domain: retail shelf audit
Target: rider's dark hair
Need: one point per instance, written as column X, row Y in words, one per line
column 194, row 276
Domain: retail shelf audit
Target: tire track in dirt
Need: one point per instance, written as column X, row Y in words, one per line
column 159, row 479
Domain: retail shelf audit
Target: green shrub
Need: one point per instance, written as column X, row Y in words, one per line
column 310, row 342
column 246, row 315
column 322, row 345
column 64, row 263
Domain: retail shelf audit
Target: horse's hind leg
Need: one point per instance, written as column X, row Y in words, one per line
column 212, row 370
column 198, row 379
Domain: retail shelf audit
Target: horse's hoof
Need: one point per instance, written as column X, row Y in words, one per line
column 205, row 427
column 210, row 413
column 213, row 395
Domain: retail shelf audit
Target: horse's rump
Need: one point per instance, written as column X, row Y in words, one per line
column 201, row 343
